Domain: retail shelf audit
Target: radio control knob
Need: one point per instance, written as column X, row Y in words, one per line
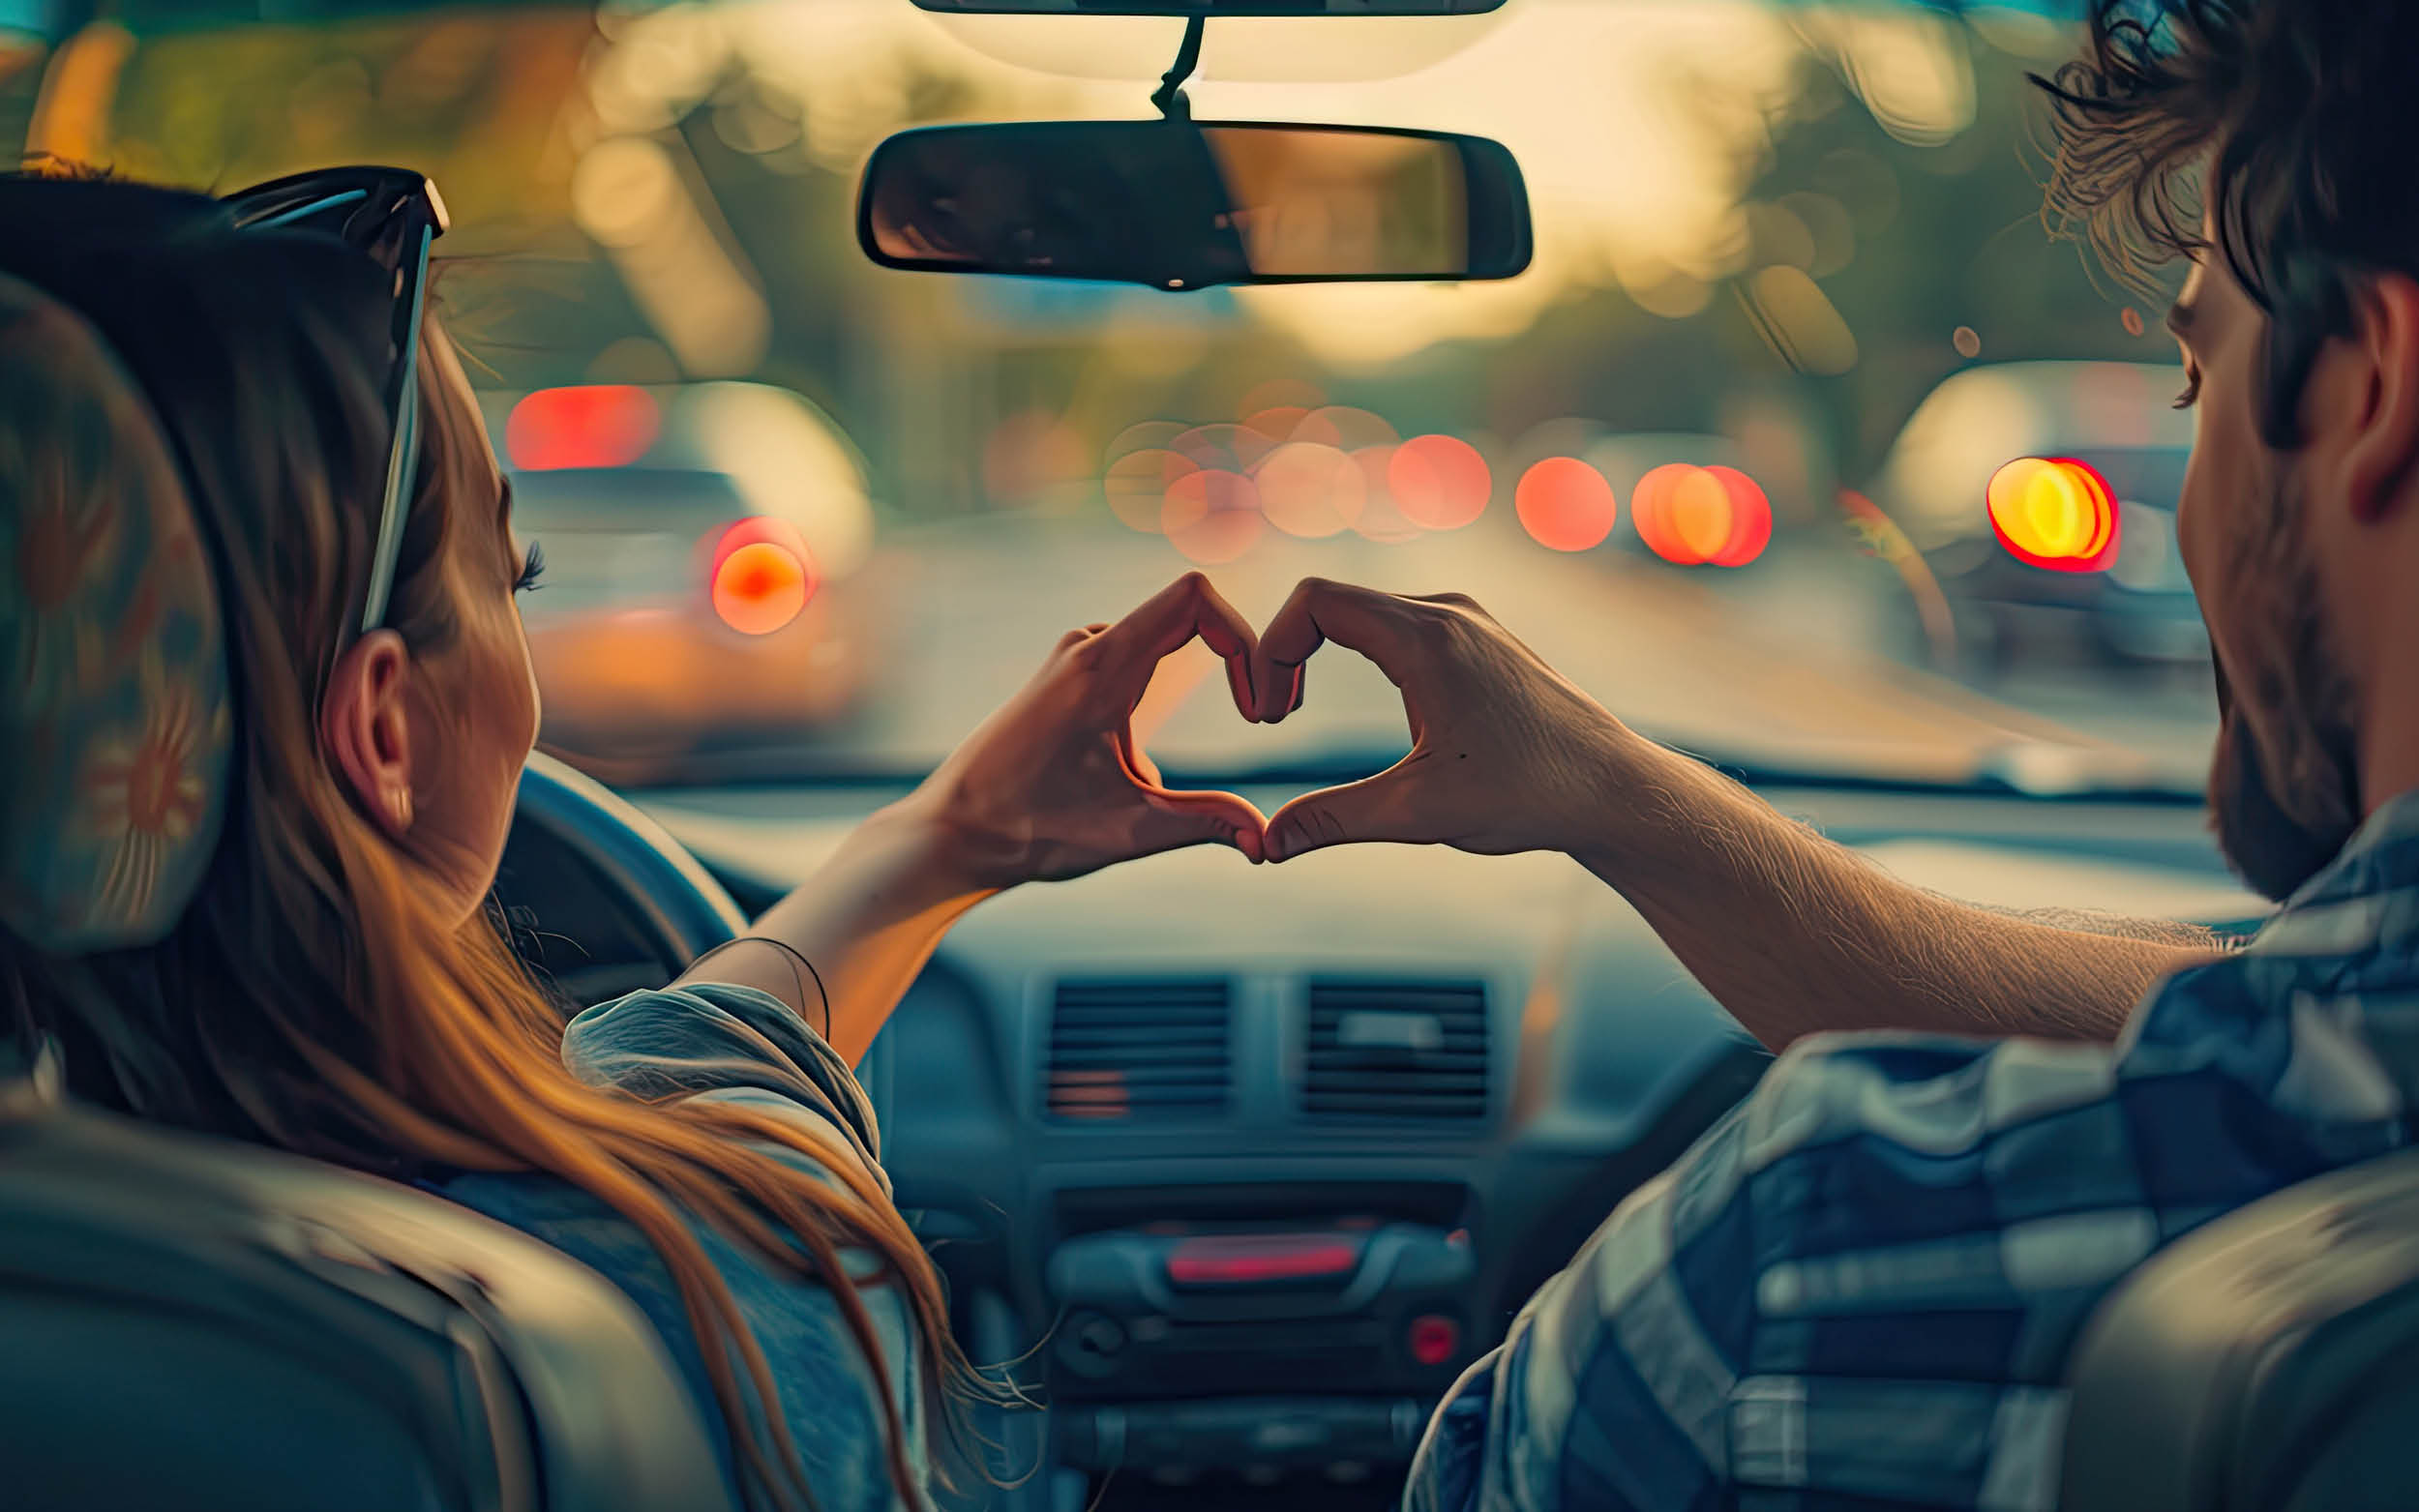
column 1092, row 1344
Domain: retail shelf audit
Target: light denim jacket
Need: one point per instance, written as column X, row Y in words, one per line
column 736, row 1044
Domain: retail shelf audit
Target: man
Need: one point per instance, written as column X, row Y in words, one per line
column 1862, row 1286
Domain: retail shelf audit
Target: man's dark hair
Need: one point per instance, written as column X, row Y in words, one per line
column 2292, row 121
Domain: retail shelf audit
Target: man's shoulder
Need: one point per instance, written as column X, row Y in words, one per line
column 1893, row 1227
column 1928, row 1092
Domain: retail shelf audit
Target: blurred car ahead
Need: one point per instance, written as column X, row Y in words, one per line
column 703, row 546
column 2042, row 495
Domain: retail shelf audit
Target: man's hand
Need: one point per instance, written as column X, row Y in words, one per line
column 1052, row 785
column 1507, row 755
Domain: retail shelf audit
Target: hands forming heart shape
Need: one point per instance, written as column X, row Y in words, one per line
column 1053, row 785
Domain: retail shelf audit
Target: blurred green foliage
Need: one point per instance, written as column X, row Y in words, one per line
column 488, row 100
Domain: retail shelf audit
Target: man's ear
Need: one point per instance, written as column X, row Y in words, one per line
column 2382, row 461
column 366, row 730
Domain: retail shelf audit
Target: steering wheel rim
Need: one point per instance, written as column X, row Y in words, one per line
column 672, row 900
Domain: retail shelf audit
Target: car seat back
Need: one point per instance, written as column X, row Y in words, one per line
column 197, row 1323
column 2266, row 1362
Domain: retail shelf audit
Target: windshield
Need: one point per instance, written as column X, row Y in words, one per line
column 1730, row 453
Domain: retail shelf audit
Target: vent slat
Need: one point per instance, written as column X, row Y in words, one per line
column 1138, row 1056
column 1396, row 1068
column 1138, row 1079
column 1122, row 1051
column 1394, row 1083
column 1421, row 1108
column 1395, row 1050
column 1108, row 1011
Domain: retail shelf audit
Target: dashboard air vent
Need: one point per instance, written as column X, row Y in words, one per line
column 1138, row 1050
column 1395, row 1050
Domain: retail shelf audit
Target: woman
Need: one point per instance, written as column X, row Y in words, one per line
column 267, row 921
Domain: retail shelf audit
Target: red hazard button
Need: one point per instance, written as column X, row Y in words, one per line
column 1434, row 1338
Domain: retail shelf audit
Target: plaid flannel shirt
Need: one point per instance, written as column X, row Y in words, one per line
column 1859, row 1289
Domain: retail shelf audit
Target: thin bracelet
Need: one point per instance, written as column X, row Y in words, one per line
column 795, row 955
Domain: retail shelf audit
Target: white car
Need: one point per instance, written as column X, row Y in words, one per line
column 2124, row 599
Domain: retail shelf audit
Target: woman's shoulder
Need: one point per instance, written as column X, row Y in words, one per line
column 729, row 1043
column 732, row 1043
column 829, row 1400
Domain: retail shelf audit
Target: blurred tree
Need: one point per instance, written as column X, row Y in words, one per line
column 1907, row 243
column 1944, row 237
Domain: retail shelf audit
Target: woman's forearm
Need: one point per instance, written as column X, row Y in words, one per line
column 868, row 919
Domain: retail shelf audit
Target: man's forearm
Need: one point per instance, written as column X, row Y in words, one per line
column 1795, row 933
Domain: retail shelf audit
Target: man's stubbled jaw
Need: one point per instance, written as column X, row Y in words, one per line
column 2275, row 850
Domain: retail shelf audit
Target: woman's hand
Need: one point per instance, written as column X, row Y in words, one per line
column 1053, row 785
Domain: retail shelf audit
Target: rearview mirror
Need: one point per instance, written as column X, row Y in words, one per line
column 1180, row 204
column 1218, row 8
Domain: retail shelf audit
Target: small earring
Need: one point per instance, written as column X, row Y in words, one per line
column 399, row 807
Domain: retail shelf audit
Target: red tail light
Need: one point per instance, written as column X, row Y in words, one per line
column 604, row 424
column 762, row 576
column 2054, row 513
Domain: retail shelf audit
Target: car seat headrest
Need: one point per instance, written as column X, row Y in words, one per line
column 115, row 724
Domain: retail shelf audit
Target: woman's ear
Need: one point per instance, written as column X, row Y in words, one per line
column 367, row 734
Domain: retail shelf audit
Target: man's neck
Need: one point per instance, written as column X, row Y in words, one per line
column 2389, row 741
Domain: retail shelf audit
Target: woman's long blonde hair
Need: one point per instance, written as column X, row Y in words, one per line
column 316, row 996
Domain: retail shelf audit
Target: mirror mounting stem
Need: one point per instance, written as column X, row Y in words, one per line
column 1169, row 97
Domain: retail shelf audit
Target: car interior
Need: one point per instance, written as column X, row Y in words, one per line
column 1243, row 1165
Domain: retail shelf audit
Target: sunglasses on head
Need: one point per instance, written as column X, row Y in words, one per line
column 391, row 215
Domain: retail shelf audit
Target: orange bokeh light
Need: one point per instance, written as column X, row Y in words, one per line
column 1141, row 434
column 1438, row 481
column 2054, row 513
column 1696, row 511
column 1650, row 511
column 1566, row 505
column 1222, row 446
column 1277, row 423
column 1750, row 520
column 1211, row 516
column 1696, row 516
column 1310, row 490
column 762, row 576
column 602, row 424
column 1289, row 393
column 1137, row 486
column 1346, row 428
column 1380, row 520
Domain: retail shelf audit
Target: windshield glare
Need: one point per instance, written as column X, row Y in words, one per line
column 1730, row 453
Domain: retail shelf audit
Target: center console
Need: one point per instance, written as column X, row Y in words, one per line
column 1309, row 1342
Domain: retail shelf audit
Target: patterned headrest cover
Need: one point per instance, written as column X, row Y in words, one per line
column 115, row 732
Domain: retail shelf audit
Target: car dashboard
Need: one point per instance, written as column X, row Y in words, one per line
column 1245, row 1164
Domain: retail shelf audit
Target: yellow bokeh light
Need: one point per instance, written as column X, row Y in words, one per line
column 1698, row 515
column 2051, row 512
